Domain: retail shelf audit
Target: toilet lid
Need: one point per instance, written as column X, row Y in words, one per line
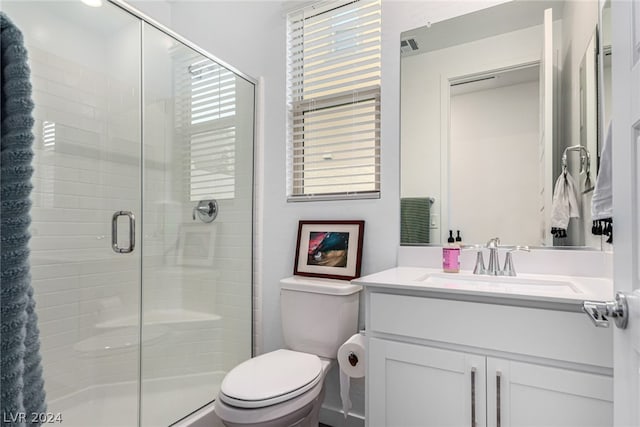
column 271, row 378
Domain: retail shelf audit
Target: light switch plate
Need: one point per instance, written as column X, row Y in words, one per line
column 435, row 221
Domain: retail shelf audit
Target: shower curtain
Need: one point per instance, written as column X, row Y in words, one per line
column 22, row 385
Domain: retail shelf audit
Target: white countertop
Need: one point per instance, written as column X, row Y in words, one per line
column 552, row 291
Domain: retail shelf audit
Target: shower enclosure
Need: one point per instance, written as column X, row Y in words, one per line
column 143, row 305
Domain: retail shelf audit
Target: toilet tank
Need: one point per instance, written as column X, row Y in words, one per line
column 318, row 315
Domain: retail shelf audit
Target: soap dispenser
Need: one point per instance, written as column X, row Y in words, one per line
column 451, row 255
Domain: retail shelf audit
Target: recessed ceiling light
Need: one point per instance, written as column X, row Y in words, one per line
column 93, row 3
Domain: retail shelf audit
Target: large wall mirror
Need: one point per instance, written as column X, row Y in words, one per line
column 491, row 104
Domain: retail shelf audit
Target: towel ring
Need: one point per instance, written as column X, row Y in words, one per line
column 585, row 158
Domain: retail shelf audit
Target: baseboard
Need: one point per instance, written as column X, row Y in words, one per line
column 334, row 417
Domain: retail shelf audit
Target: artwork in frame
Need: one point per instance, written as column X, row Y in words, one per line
column 329, row 249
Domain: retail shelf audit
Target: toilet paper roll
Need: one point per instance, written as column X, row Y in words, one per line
column 351, row 359
column 351, row 356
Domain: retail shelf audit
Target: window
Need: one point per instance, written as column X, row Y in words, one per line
column 333, row 140
column 206, row 110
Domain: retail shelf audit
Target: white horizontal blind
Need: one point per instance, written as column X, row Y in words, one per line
column 334, row 100
column 206, row 109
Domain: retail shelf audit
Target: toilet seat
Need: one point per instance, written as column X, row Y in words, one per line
column 270, row 379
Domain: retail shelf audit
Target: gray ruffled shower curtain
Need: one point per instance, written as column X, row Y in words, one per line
column 22, row 385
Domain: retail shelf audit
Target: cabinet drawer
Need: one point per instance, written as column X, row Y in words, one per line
column 549, row 334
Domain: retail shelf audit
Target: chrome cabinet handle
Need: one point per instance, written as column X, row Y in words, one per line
column 498, row 377
column 473, row 397
column 114, row 232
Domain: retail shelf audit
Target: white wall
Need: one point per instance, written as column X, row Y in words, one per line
column 494, row 171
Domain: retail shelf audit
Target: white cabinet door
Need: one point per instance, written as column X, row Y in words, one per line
column 412, row 385
column 524, row 394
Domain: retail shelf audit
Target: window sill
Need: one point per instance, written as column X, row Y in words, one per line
column 334, row 197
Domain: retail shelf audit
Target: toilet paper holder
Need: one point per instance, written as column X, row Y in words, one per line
column 353, row 359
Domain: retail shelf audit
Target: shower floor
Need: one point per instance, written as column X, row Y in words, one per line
column 165, row 401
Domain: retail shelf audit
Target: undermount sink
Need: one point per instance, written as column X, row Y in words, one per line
column 508, row 284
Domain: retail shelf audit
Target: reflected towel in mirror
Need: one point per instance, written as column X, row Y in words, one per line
column 415, row 217
column 602, row 201
column 565, row 204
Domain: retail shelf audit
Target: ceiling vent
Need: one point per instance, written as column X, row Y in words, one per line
column 408, row 45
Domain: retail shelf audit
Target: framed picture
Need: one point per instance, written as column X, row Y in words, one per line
column 330, row 249
column 196, row 244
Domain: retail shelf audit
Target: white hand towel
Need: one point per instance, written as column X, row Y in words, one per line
column 565, row 202
column 602, row 201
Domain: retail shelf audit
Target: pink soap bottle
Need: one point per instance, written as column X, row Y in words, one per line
column 451, row 255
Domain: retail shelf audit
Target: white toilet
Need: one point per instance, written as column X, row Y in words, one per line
column 286, row 387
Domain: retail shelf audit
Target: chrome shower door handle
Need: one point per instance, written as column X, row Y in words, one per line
column 114, row 232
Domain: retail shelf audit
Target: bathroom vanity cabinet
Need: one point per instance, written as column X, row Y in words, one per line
column 434, row 361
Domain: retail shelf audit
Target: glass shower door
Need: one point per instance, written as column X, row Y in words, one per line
column 197, row 264
column 143, row 304
column 86, row 87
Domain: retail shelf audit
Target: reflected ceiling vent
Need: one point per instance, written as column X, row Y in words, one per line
column 408, row 45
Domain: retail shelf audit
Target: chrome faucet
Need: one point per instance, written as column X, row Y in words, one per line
column 494, row 262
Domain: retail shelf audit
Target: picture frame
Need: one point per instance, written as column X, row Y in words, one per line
column 196, row 245
column 331, row 249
